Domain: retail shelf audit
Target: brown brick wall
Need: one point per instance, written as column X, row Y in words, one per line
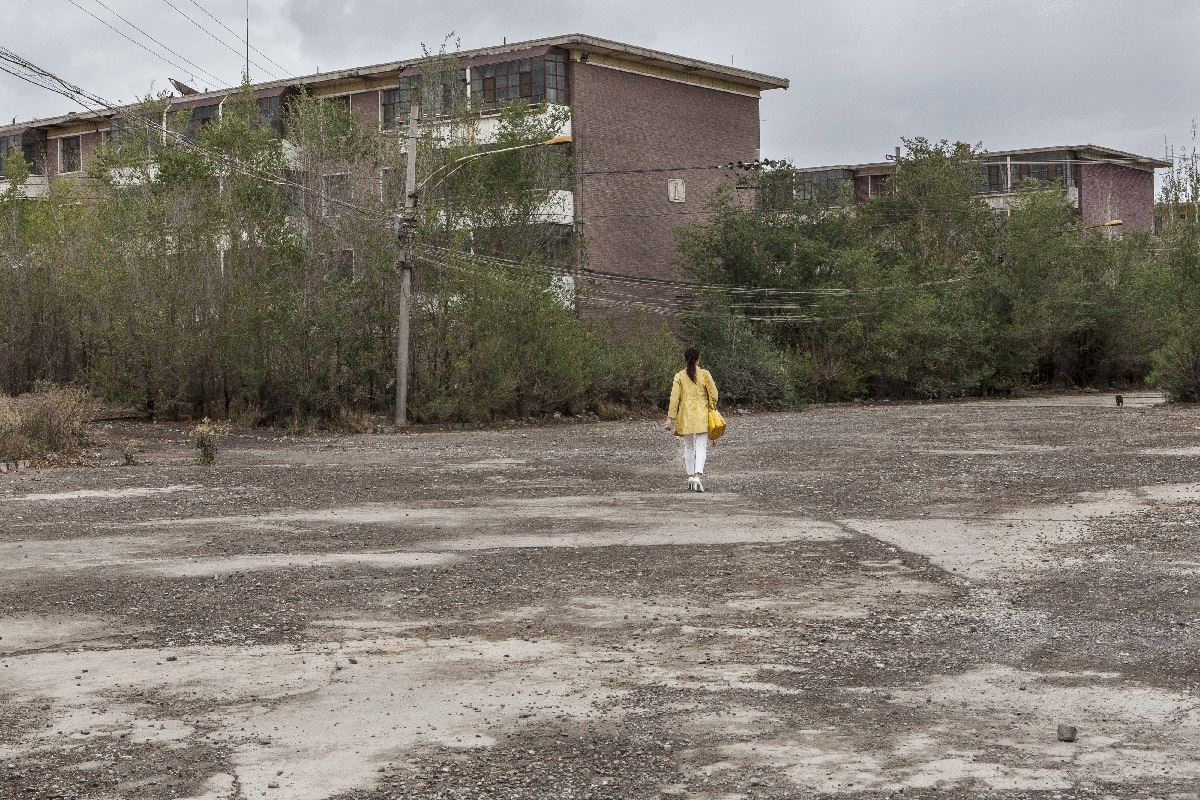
column 88, row 148
column 1111, row 191
column 624, row 121
column 366, row 106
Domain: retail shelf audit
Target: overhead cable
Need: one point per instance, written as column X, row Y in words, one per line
column 239, row 37
column 219, row 40
column 175, row 64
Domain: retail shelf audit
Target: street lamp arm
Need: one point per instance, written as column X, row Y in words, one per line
column 459, row 163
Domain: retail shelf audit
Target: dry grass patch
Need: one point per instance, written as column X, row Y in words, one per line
column 49, row 419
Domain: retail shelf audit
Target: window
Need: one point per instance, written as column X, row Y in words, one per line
column 994, row 178
column 9, row 145
column 1053, row 172
column 777, row 189
column 30, row 146
column 342, row 101
column 189, row 121
column 827, row 187
column 878, row 185
column 390, row 110
column 69, row 156
column 1021, row 172
column 117, row 132
column 439, row 94
column 335, row 194
column 269, row 114
column 557, row 245
column 535, row 80
column 510, row 80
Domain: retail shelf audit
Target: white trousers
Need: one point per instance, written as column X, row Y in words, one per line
column 695, row 447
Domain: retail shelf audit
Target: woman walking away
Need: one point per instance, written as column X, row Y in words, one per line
column 692, row 392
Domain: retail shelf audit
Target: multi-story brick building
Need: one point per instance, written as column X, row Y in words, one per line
column 648, row 131
column 1103, row 184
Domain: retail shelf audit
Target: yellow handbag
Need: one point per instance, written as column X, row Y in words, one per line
column 716, row 423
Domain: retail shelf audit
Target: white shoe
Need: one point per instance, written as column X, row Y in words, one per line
column 693, row 485
column 699, row 485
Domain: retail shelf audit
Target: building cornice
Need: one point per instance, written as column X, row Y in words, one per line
column 372, row 76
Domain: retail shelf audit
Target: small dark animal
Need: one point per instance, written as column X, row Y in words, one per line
column 1120, row 400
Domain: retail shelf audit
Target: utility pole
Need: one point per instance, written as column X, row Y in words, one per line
column 406, row 224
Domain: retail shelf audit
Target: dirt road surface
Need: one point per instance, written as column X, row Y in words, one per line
column 871, row 601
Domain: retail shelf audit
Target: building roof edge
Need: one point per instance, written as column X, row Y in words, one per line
column 581, row 41
column 1098, row 153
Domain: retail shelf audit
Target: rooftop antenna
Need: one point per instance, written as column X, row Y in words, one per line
column 247, row 41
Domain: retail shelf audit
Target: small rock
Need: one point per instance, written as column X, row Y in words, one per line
column 1067, row 733
column 172, row 658
column 273, row 785
column 353, row 660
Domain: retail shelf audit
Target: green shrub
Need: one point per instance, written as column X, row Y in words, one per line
column 634, row 367
column 1176, row 370
column 206, row 438
column 747, row 367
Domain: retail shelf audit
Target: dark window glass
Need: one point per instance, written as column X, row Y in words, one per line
column 1020, row 172
column 1052, row 172
column 31, row 146
column 389, row 100
column 440, row 93
column 269, row 115
column 995, row 177
column 189, row 122
column 117, row 133
column 35, row 156
column 69, row 155
column 202, row 117
column 9, row 144
column 536, row 80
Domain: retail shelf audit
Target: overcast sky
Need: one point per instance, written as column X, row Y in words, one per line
column 864, row 73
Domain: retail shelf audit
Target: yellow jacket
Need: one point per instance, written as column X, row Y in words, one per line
column 689, row 401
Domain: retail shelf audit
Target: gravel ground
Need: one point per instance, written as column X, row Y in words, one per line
column 871, row 601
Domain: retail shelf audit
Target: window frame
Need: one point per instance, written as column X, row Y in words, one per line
column 335, row 199
column 531, row 79
column 62, row 153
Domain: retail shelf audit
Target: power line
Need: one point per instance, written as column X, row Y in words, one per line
column 139, row 44
column 648, row 170
column 220, row 41
column 241, row 39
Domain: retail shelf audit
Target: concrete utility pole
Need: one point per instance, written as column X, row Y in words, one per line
column 406, row 228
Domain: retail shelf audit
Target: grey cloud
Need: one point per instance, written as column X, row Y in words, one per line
column 864, row 73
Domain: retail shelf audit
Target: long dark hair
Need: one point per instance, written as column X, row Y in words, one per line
column 691, row 356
